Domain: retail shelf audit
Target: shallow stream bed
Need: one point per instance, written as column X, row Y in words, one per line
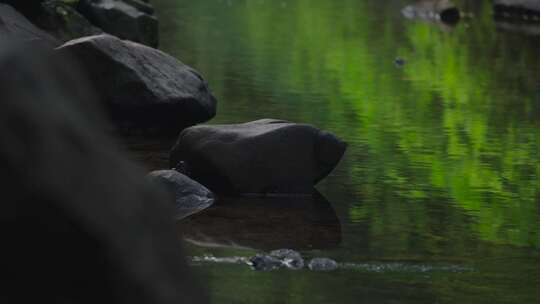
column 437, row 199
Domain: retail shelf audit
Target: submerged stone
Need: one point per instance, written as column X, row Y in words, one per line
column 265, row 263
column 189, row 196
column 289, row 258
column 322, row 264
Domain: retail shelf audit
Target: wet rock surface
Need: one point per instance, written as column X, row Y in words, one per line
column 265, row 157
column 143, row 87
column 131, row 19
column 276, row 259
column 289, row 259
column 189, row 196
column 15, row 26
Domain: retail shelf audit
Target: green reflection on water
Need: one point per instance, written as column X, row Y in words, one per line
column 444, row 151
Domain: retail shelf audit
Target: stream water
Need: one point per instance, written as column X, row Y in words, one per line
column 437, row 199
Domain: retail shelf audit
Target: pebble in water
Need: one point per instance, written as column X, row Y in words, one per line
column 290, row 258
column 322, row 264
column 265, row 263
column 399, row 62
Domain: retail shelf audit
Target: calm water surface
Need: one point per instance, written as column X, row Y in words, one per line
column 438, row 197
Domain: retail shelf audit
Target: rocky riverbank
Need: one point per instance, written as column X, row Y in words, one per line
column 64, row 64
column 146, row 90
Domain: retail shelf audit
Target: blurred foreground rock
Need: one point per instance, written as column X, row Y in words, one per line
column 266, row 156
column 143, row 87
column 80, row 223
column 15, row 26
column 29, row 8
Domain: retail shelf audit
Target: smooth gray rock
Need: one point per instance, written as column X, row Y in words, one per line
column 14, row 26
column 322, row 264
column 266, row 156
column 131, row 20
column 65, row 22
column 190, row 197
column 143, row 87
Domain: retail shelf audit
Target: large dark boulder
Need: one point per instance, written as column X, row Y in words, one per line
column 266, row 156
column 130, row 19
column 64, row 22
column 79, row 222
column 15, row 26
column 189, row 196
column 29, row 8
column 143, row 87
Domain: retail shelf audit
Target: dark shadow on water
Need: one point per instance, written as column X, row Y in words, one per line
column 299, row 223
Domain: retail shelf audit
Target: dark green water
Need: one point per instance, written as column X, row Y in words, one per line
column 442, row 170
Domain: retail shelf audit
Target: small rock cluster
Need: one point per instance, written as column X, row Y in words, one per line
column 69, row 19
column 140, row 87
column 289, row 259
